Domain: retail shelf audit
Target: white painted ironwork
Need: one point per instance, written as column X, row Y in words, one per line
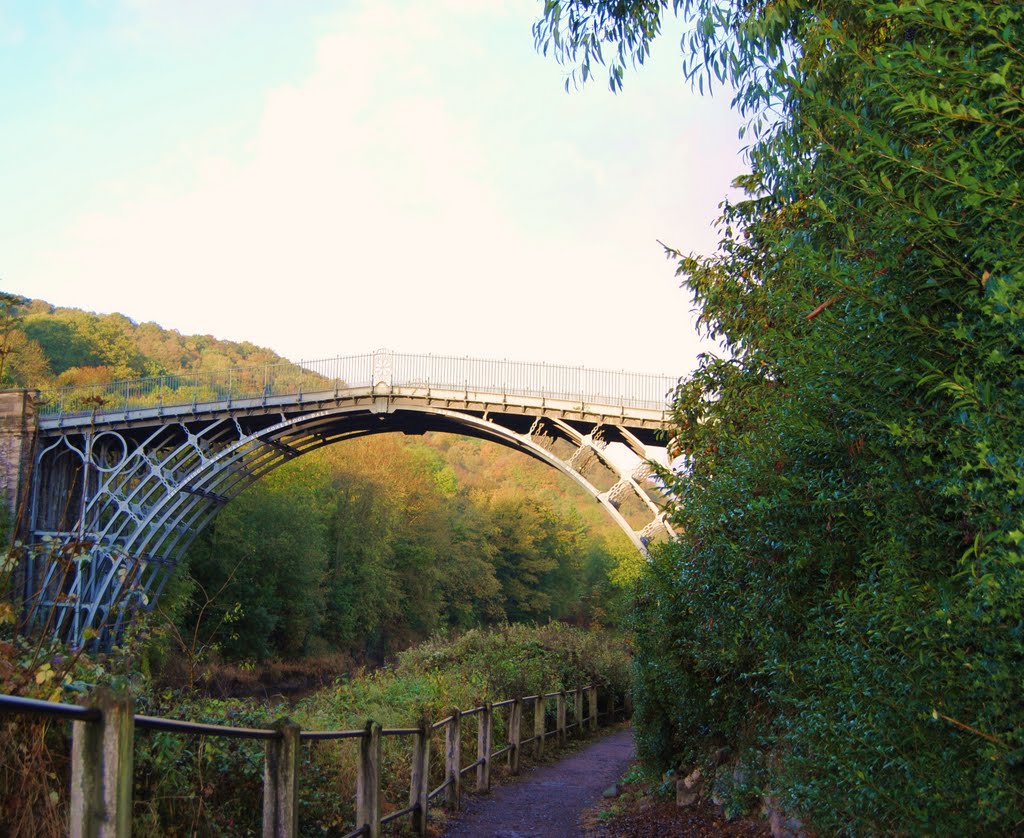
column 127, row 474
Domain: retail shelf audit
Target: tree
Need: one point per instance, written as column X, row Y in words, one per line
column 9, row 313
column 536, row 556
column 81, row 347
column 64, row 342
column 22, row 362
column 265, row 555
column 853, row 507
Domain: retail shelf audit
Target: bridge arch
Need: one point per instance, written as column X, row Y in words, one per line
column 141, row 483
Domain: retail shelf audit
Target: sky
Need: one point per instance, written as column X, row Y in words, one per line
column 330, row 178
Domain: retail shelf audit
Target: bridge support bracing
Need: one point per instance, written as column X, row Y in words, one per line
column 118, row 496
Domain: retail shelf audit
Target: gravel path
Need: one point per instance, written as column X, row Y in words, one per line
column 548, row 800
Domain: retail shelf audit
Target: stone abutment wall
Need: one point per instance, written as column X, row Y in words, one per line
column 17, row 437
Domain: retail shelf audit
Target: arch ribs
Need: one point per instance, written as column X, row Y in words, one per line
column 117, row 498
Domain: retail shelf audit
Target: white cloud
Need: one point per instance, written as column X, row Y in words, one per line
column 371, row 207
column 11, row 35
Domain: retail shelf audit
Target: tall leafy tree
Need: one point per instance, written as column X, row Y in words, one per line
column 270, row 543
column 848, row 592
column 22, row 361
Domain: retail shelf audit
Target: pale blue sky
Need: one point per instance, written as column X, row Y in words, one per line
column 333, row 177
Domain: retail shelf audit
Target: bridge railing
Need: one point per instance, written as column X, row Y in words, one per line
column 104, row 730
column 382, row 368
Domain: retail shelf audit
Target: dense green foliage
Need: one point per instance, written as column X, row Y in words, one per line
column 370, row 545
column 845, row 607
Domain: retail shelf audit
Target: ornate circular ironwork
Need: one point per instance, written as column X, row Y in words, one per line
column 111, row 464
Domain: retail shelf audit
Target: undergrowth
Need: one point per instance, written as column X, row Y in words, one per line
column 191, row 785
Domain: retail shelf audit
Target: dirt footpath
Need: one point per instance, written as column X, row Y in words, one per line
column 548, row 800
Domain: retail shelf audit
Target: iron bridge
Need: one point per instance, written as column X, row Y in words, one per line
column 125, row 475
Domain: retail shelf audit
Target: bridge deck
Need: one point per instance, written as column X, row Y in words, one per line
column 381, row 397
column 423, row 379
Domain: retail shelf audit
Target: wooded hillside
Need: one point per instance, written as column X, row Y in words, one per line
column 42, row 346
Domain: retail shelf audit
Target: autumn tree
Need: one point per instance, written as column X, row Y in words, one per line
column 22, row 361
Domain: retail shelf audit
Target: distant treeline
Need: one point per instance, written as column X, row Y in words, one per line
column 371, row 545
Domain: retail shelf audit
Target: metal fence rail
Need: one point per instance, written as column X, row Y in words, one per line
column 382, row 368
column 104, row 730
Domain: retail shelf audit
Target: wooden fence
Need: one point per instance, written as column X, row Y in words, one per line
column 102, row 749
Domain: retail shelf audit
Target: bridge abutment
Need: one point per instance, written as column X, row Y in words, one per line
column 17, row 442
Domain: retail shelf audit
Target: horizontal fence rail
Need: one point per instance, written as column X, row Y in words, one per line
column 103, row 733
column 382, row 369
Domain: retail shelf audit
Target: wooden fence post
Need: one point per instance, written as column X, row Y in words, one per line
column 484, row 734
column 577, row 701
column 561, row 718
column 281, row 782
column 593, row 707
column 453, row 760
column 538, row 726
column 419, row 785
column 514, row 722
column 101, row 769
column 368, row 781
